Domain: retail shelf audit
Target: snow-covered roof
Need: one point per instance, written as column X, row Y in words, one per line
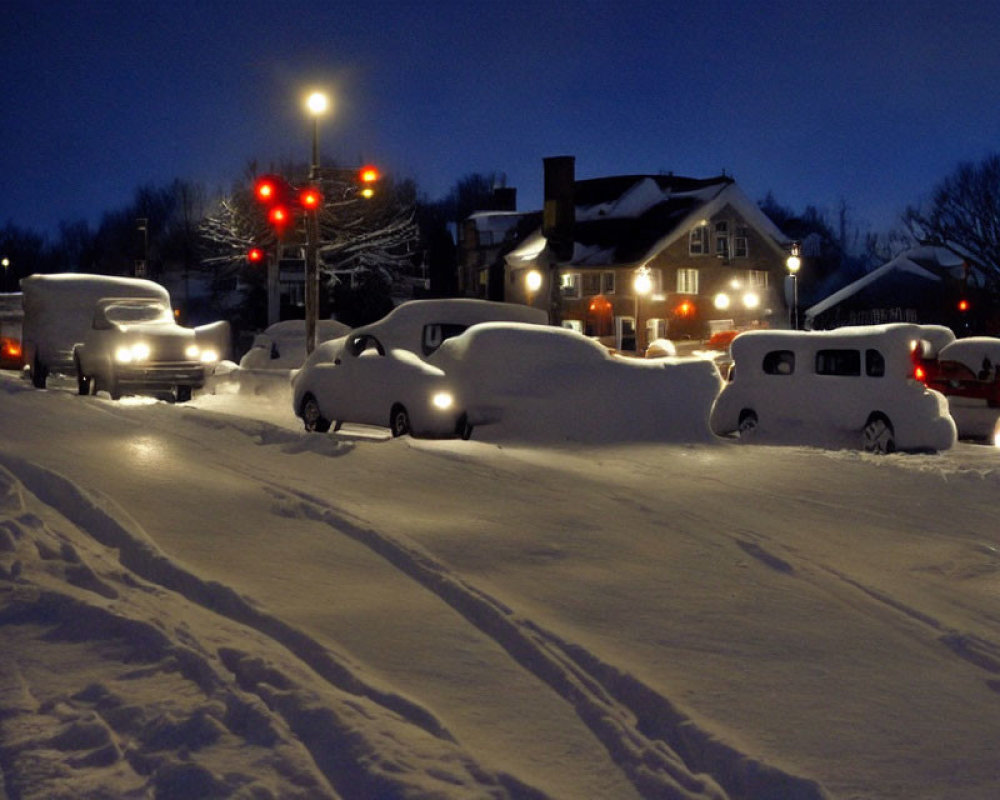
column 629, row 219
column 925, row 263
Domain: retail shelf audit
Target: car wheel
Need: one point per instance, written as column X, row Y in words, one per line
column 399, row 421
column 463, row 428
column 38, row 373
column 748, row 425
column 83, row 383
column 113, row 388
column 312, row 417
column 878, row 436
column 183, row 394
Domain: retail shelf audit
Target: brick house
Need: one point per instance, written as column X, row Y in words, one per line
column 710, row 258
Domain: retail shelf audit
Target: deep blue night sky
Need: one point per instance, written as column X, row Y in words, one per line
column 872, row 103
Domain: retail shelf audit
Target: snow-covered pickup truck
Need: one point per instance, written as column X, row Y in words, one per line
column 135, row 346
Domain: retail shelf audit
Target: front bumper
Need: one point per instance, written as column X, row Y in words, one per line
column 162, row 375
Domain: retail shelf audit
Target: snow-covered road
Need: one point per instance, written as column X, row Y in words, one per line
column 455, row 619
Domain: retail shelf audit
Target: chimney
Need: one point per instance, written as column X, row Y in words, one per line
column 504, row 198
column 559, row 215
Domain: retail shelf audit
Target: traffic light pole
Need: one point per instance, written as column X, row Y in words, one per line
column 312, row 279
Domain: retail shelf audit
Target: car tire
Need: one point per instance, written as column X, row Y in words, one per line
column 878, row 435
column 183, row 394
column 748, row 425
column 312, row 417
column 83, row 383
column 399, row 421
column 463, row 428
column 38, row 373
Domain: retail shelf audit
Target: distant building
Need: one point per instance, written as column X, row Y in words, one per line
column 926, row 285
column 709, row 258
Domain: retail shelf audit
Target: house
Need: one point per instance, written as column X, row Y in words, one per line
column 705, row 256
column 926, row 284
column 485, row 238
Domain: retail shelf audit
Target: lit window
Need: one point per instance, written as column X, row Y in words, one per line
column 698, row 241
column 687, row 281
column 570, row 284
column 722, row 238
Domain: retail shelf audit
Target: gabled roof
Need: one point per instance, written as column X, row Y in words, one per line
column 628, row 219
column 927, row 263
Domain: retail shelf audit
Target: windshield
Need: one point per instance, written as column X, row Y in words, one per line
column 130, row 313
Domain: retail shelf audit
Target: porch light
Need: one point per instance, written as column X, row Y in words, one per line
column 721, row 301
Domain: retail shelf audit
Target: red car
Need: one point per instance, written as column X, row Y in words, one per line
column 963, row 368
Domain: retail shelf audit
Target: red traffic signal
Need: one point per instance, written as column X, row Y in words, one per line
column 278, row 216
column 271, row 189
column 255, row 255
column 368, row 176
column 310, row 199
column 963, row 305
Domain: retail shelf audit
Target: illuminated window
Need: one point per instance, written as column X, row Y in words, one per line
column 698, row 241
column 741, row 243
column 722, row 238
column 687, row 281
column 569, row 284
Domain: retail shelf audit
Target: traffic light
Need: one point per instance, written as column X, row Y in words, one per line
column 368, row 177
column 279, row 216
column 310, row 199
column 963, row 305
column 271, row 189
column 255, row 256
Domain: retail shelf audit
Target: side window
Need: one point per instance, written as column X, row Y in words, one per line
column 436, row 333
column 779, row 362
column 874, row 364
column 838, row 362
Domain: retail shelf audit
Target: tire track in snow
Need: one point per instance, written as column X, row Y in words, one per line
column 340, row 752
column 662, row 752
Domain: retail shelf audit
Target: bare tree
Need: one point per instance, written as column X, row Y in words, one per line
column 963, row 215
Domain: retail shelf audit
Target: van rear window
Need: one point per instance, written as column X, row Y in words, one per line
column 838, row 362
column 874, row 364
column 779, row 362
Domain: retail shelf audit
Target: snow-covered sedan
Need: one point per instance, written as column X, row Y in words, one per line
column 847, row 387
column 135, row 346
column 531, row 383
column 358, row 380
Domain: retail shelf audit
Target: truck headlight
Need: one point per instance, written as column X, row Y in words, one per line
column 209, row 356
column 442, row 400
column 192, row 352
column 126, row 354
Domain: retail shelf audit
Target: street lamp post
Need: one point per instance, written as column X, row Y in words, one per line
column 793, row 263
column 317, row 103
column 643, row 285
column 5, row 263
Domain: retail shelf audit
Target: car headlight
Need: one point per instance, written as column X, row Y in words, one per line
column 192, row 352
column 209, row 356
column 442, row 400
column 126, row 354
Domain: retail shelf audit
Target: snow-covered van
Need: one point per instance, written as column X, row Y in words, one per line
column 846, row 387
column 67, row 310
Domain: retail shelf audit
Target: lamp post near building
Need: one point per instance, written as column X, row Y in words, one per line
column 317, row 104
column 643, row 285
column 5, row 263
column 793, row 263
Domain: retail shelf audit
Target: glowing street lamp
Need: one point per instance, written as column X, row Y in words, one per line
column 317, row 103
column 532, row 283
column 643, row 285
column 793, row 263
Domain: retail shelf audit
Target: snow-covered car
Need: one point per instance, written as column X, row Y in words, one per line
column 135, row 346
column 360, row 381
column 966, row 368
column 282, row 346
column 847, row 387
column 548, row 384
column 380, row 374
column 420, row 326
